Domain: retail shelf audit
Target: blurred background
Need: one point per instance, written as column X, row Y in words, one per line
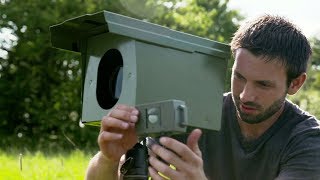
column 40, row 87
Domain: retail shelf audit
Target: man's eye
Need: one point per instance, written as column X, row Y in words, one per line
column 238, row 76
column 264, row 84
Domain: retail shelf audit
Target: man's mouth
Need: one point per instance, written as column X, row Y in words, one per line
column 247, row 109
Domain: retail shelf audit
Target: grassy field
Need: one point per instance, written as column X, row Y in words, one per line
column 36, row 166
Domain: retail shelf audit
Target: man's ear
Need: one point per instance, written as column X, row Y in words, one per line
column 296, row 84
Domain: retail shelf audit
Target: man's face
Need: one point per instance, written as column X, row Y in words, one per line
column 258, row 87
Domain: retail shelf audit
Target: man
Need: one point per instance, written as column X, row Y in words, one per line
column 263, row 135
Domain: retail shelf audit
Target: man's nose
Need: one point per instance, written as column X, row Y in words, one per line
column 248, row 93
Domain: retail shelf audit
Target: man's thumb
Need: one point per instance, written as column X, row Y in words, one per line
column 192, row 141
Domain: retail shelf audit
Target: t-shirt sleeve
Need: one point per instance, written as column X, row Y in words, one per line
column 302, row 158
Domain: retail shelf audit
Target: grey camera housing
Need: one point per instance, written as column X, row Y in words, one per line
column 157, row 64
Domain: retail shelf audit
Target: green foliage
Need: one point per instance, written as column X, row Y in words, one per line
column 40, row 103
column 40, row 99
column 208, row 19
column 308, row 100
column 308, row 97
column 38, row 166
column 315, row 60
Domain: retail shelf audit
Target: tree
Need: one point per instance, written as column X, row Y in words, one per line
column 209, row 19
column 40, row 86
column 308, row 97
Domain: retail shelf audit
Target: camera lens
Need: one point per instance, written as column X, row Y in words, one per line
column 116, row 83
column 109, row 80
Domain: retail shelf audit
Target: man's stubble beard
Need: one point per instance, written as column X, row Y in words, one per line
column 262, row 116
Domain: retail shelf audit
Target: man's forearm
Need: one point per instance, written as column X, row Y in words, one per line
column 102, row 168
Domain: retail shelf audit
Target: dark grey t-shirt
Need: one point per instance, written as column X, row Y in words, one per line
column 289, row 149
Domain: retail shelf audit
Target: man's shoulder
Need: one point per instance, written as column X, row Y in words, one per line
column 227, row 101
column 306, row 124
column 308, row 127
column 227, row 97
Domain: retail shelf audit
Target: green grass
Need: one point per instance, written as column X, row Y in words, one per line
column 14, row 166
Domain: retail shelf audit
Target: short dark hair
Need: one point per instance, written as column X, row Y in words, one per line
column 275, row 38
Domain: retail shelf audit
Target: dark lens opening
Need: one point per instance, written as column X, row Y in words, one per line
column 109, row 80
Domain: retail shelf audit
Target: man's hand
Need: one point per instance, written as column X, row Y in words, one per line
column 117, row 133
column 187, row 159
column 117, row 136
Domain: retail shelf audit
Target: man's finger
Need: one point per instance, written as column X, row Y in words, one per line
column 126, row 108
column 154, row 174
column 193, row 140
column 110, row 122
column 124, row 115
column 105, row 136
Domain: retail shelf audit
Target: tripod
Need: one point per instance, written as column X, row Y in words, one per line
column 136, row 164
